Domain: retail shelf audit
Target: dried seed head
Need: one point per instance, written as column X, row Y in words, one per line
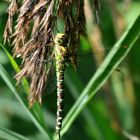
column 33, row 36
column 12, row 10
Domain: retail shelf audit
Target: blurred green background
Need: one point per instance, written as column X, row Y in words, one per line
column 114, row 113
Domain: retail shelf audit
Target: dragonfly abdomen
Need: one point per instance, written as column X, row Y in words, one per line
column 60, row 96
column 61, row 56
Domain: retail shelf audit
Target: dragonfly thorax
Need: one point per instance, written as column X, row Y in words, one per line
column 61, row 40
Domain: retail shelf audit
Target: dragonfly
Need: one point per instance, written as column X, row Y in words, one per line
column 62, row 57
column 82, row 67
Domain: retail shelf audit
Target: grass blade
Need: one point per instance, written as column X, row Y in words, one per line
column 75, row 86
column 16, row 68
column 10, row 135
column 117, row 54
column 36, row 110
column 9, row 83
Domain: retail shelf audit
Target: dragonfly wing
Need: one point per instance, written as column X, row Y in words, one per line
column 91, row 65
column 51, row 82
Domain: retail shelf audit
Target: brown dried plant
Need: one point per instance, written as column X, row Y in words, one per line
column 37, row 21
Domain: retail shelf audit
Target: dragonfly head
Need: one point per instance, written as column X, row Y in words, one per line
column 61, row 39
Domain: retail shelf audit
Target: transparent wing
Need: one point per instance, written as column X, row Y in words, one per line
column 51, row 81
column 92, row 58
column 86, row 67
column 88, row 63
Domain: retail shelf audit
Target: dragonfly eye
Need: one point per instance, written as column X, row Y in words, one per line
column 63, row 36
column 61, row 39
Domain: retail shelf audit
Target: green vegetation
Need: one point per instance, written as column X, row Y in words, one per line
column 101, row 96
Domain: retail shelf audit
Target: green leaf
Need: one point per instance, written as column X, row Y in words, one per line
column 23, row 102
column 16, row 68
column 10, row 135
column 116, row 55
column 36, row 110
column 75, row 87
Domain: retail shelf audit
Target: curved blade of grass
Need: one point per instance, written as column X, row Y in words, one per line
column 117, row 54
column 10, row 135
column 75, row 86
column 36, row 111
column 9, row 83
column 16, row 68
